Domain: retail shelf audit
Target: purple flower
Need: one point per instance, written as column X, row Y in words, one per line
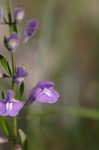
column 20, row 74
column 31, row 29
column 18, row 14
column 12, row 42
column 10, row 106
column 44, row 92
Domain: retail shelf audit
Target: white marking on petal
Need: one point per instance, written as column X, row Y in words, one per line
column 9, row 106
column 47, row 92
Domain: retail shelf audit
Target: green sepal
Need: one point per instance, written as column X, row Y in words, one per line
column 5, row 65
column 4, row 126
column 14, row 27
column 9, row 17
column 22, row 135
column 12, row 23
column 21, row 89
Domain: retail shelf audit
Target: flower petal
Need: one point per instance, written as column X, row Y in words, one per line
column 3, row 108
column 48, row 96
column 43, row 92
column 17, row 106
column 33, row 94
column 43, row 84
column 20, row 74
column 10, row 95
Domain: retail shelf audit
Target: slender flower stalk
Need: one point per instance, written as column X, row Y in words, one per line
column 15, row 126
column 13, row 62
column 43, row 92
column 13, row 68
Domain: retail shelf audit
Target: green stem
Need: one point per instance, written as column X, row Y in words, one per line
column 13, row 68
column 12, row 29
column 8, row 6
column 15, row 126
column 13, row 62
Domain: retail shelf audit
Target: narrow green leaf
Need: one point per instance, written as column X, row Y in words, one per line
column 4, row 125
column 14, row 28
column 23, row 136
column 9, row 16
column 5, row 64
column 21, row 90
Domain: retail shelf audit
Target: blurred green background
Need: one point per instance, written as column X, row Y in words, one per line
column 66, row 51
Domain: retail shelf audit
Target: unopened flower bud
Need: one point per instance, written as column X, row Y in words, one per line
column 18, row 14
column 31, row 29
column 12, row 42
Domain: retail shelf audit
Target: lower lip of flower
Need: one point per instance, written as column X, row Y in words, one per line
column 47, row 92
column 9, row 106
